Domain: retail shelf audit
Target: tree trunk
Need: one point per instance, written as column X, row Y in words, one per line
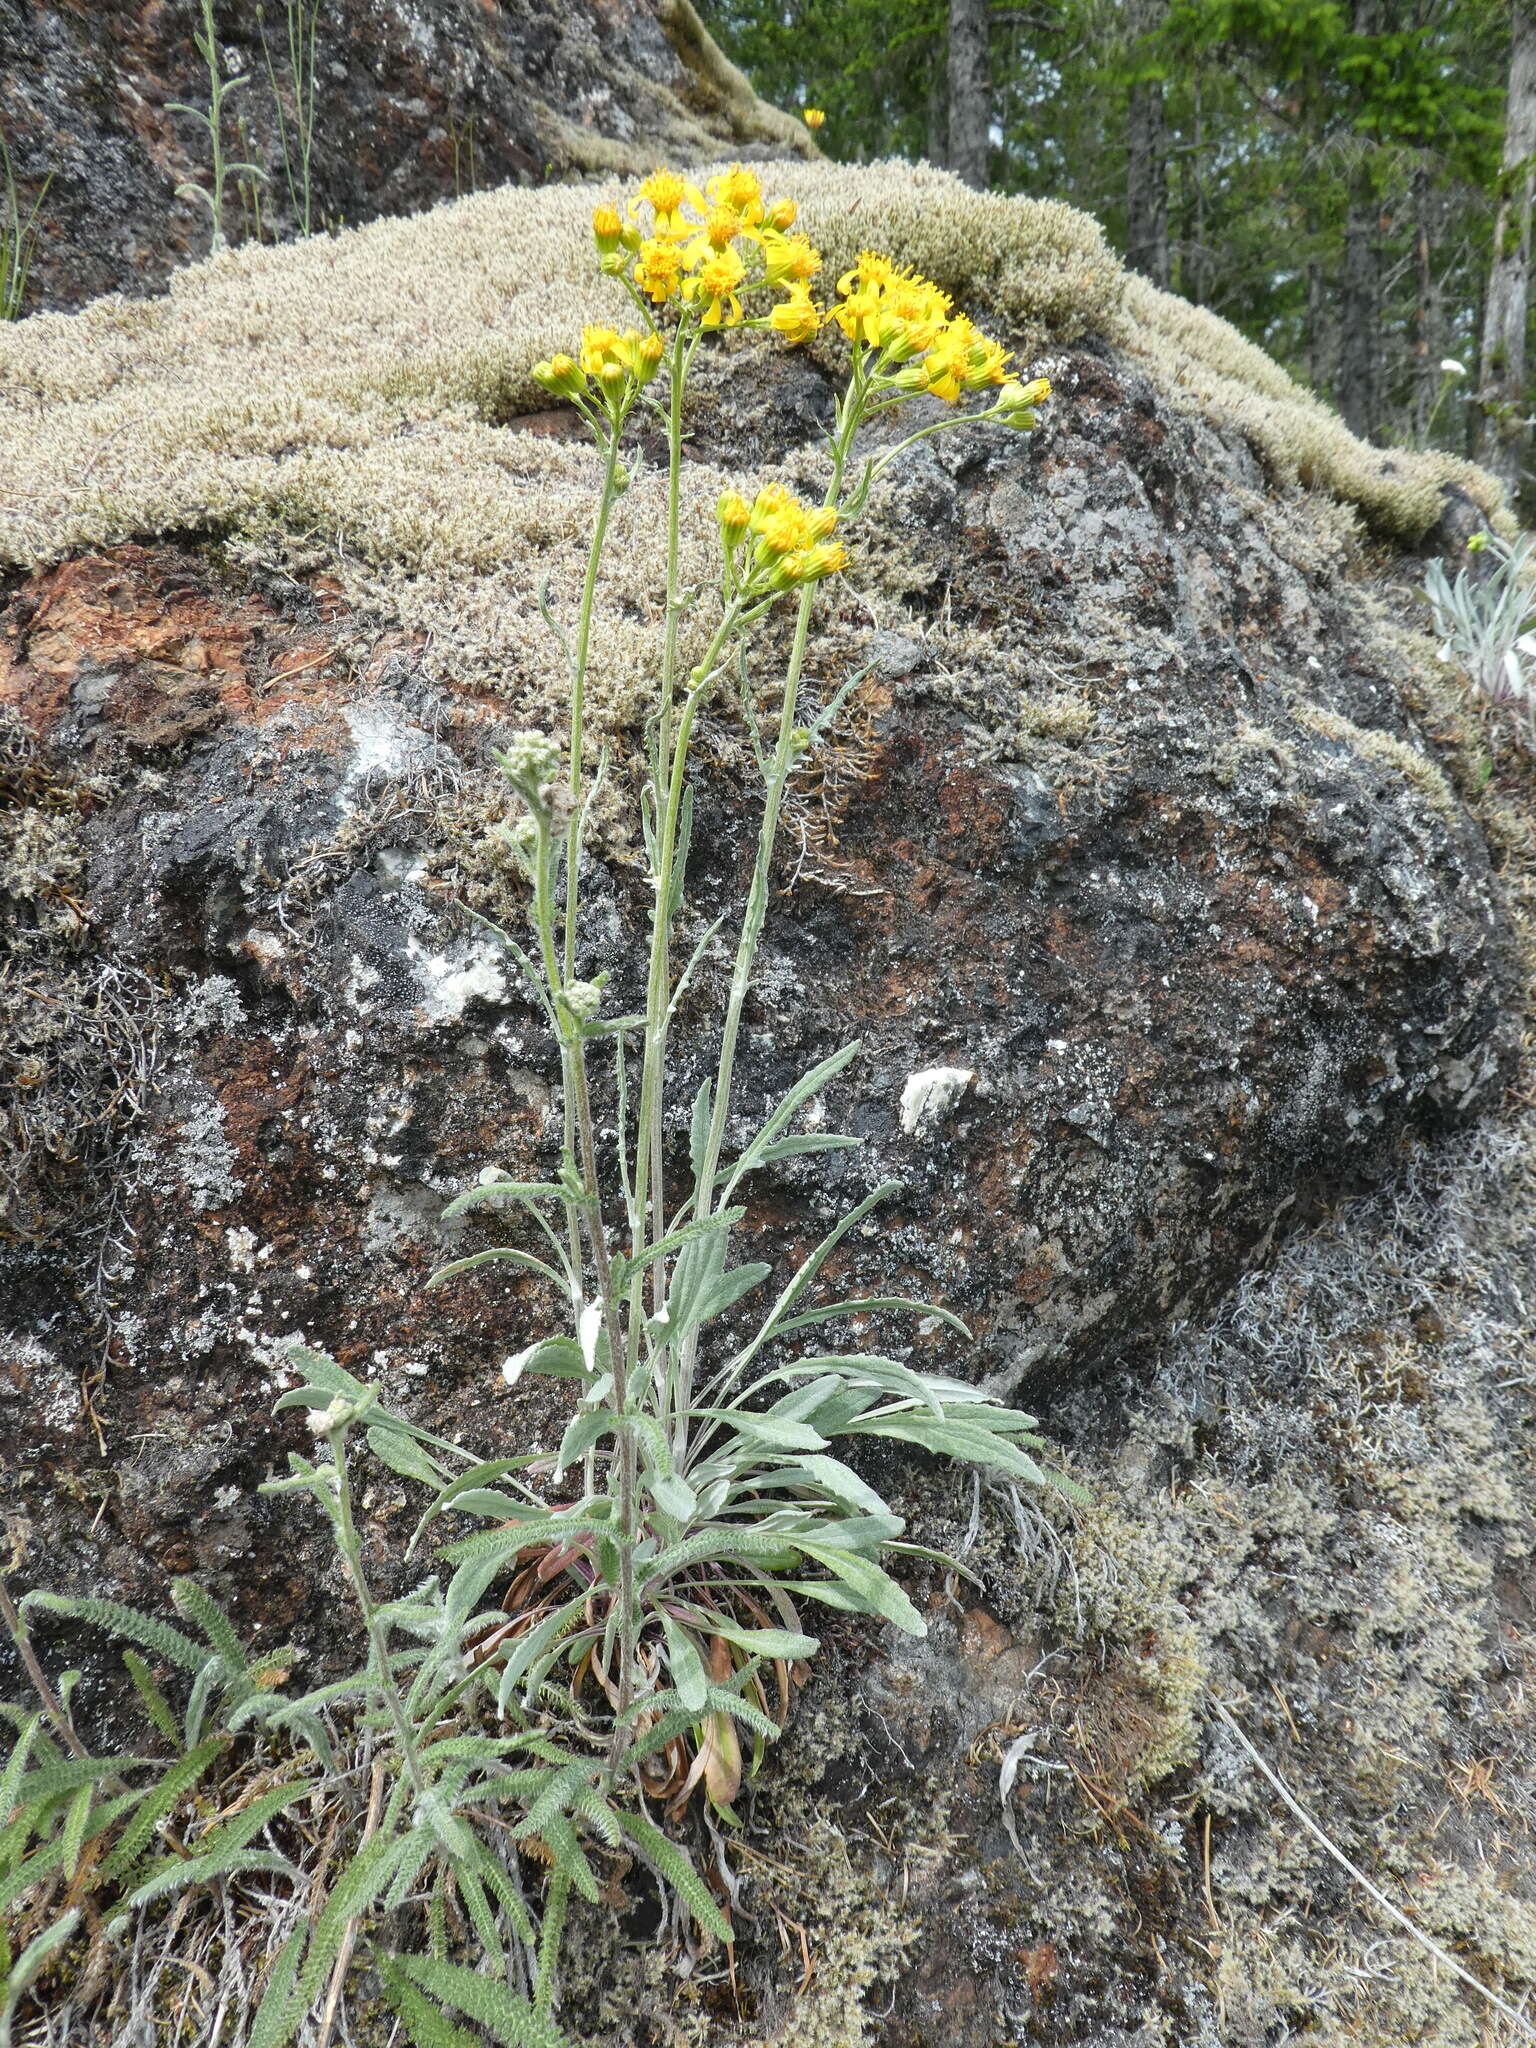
column 1502, row 432
column 938, row 103
column 1360, row 286
column 1146, row 157
column 1146, row 183
column 1360, row 307
column 1192, row 254
column 1426, row 310
column 970, row 90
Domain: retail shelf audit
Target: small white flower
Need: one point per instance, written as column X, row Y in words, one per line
column 1449, row 367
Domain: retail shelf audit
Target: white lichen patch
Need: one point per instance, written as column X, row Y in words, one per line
column 930, row 1095
column 386, row 747
column 449, row 982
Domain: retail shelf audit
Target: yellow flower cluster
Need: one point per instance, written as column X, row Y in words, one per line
column 611, row 364
column 792, row 543
column 913, row 325
column 707, row 249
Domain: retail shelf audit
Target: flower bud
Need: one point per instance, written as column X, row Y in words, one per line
column 607, row 229
column 781, row 215
column 813, row 117
column 559, row 375
column 822, row 523
column 788, row 572
column 830, row 558
column 582, row 998
column 530, row 763
column 735, row 515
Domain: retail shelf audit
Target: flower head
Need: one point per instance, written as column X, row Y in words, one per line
column 738, row 191
column 814, row 117
column 1015, row 403
column 789, row 259
column 713, row 289
column 1449, row 367
column 659, row 269
column 796, row 318
column 735, row 516
column 666, row 194
column 559, row 375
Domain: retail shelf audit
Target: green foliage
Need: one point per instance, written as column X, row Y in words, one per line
column 80, row 1834
column 1485, row 619
column 206, row 39
column 294, row 99
column 18, row 235
column 1271, row 110
column 577, row 1658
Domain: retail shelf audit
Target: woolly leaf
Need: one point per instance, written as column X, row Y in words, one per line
column 672, row 1864
column 156, row 1705
column 158, row 1637
column 512, row 2021
column 525, row 1260
column 159, row 1801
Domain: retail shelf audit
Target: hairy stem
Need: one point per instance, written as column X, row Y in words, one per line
column 349, row 1544
column 52, row 1706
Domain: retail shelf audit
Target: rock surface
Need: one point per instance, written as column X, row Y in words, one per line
column 1147, row 816
column 415, row 101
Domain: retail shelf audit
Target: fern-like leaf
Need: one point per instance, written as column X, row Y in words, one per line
column 511, row 2021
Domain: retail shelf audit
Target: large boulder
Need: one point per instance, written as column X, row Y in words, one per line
column 412, row 104
column 1149, row 863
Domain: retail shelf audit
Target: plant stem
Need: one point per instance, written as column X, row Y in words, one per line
column 650, row 1203
column 757, row 898
column 606, row 502
column 52, row 1705
column 350, row 1545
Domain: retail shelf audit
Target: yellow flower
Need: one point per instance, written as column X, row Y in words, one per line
column 659, row 269
column 789, row 258
column 827, row 558
column 1016, row 402
column 771, row 499
column 738, row 191
column 667, row 194
column 599, row 346
column 720, row 229
column 795, row 317
column 714, row 287
column 987, row 362
column 607, row 229
column 870, row 268
column 735, row 516
column 782, row 533
column 611, row 359
column 781, row 215
column 813, row 117
column 859, row 314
